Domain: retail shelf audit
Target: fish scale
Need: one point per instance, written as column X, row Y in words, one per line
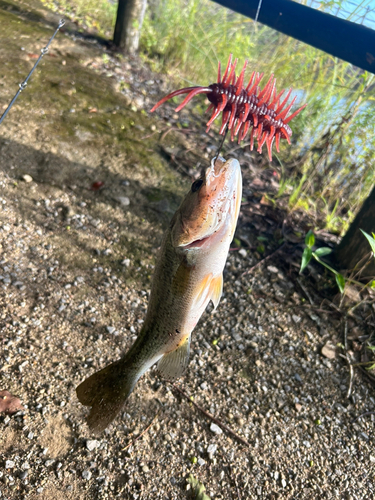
column 188, row 275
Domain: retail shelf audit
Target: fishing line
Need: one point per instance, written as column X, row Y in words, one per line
column 23, row 85
column 258, row 10
column 222, row 142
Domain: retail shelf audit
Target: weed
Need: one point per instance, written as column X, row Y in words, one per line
column 333, row 144
column 317, row 254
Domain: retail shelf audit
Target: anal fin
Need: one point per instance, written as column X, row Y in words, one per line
column 173, row 364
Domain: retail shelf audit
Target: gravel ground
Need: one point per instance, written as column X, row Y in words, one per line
column 75, row 272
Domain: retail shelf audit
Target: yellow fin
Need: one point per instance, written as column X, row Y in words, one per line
column 209, row 289
column 173, row 364
column 216, row 290
column 202, row 292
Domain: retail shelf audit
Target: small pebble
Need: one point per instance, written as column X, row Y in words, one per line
column 9, row 464
column 215, row 429
column 329, row 351
column 27, row 178
column 123, row 200
column 272, row 269
column 86, row 474
column 24, row 474
column 91, row 444
column 211, row 450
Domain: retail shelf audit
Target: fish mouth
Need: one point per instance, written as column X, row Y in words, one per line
column 197, row 243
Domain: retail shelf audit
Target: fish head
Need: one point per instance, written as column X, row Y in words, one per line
column 210, row 208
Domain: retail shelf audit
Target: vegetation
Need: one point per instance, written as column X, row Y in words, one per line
column 330, row 167
column 321, row 252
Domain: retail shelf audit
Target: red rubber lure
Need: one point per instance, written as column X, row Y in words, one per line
column 260, row 111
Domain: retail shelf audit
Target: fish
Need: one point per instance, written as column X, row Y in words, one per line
column 188, row 275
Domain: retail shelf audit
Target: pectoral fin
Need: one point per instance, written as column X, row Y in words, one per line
column 216, row 290
column 211, row 288
column 173, row 364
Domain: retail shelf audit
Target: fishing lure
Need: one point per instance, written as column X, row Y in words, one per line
column 262, row 112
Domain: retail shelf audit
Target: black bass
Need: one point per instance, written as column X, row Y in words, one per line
column 188, row 274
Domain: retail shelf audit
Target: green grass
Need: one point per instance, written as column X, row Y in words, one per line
column 333, row 143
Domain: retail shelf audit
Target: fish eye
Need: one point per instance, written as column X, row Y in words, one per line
column 196, row 185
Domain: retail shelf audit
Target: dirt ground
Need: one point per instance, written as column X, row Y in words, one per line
column 76, row 263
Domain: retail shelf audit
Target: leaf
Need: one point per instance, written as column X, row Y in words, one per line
column 321, row 252
column 371, row 240
column 306, row 257
column 371, row 367
column 340, row 280
column 95, row 186
column 372, row 284
column 310, row 239
column 9, row 404
column 198, row 488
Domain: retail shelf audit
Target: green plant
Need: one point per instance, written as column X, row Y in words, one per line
column 332, row 156
column 317, row 254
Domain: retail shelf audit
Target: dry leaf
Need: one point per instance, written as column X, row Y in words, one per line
column 9, row 404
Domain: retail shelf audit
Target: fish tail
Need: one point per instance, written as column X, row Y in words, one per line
column 106, row 392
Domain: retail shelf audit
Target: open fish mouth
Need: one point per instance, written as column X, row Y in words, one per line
column 197, row 243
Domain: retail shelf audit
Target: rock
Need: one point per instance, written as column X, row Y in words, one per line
column 125, row 262
column 329, row 350
column 242, row 252
column 272, row 269
column 110, row 329
column 211, row 450
column 86, row 474
column 27, row 178
column 23, row 474
column 91, row 444
column 201, row 461
column 123, row 200
column 9, row 464
column 215, row 429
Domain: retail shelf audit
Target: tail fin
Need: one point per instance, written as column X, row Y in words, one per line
column 106, row 392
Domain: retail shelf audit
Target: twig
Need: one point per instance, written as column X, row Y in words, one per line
column 211, row 417
column 22, row 85
column 363, row 415
column 263, row 260
column 305, row 291
column 153, row 133
column 346, row 333
column 351, row 374
column 141, row 434
column 175, row 129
